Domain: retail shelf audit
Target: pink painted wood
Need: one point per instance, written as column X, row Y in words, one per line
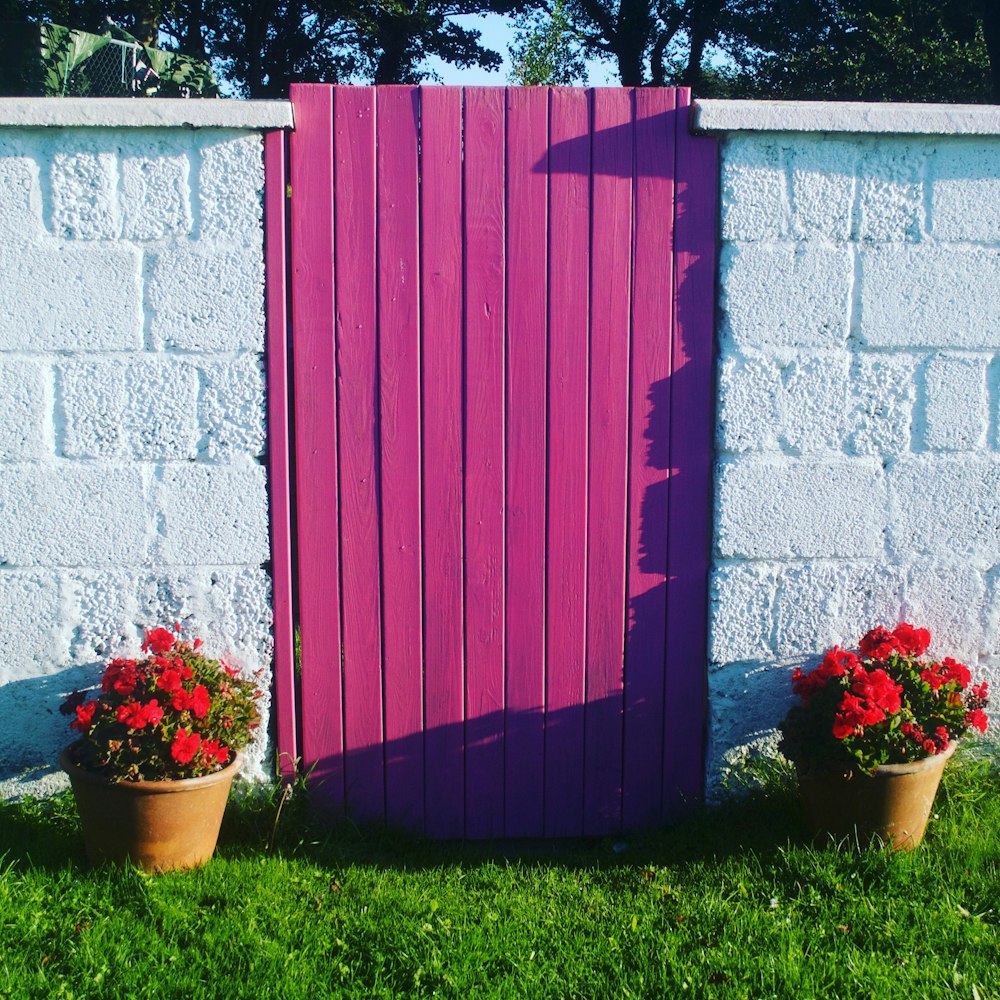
column 527, row 166
column 279, row 448
column 610, row 290
column 354, row 272
column 646, row 605
column 399, row 400
column 485, row 305
column 441, row 280
column 689, row 527
column 566, row 565
column 519, row 422
column 317, row 541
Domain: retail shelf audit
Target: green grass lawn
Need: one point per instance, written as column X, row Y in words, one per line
column 731, row 903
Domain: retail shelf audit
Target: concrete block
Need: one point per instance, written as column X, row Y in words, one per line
column 946, row 596
column 228, row 607
column 211, row 514
column 890, row 191
column 930, row 296
column 155, row 191
column 880, row 406
column 946, row 505
column 754, row 196
column 873, row 595
column 161, row 403
column 20, row 192
column 742, row 597
column 24, row 416
column 143, row 410
column 749, row 390
column 780, row 295
column 231, row 408
column 101, row 607
column 822, row 182
column 813, row 407
column 231, row 189
column 965, row 191
column 33, row 640
column 809, row 609
column 991, row 613
column 71, row 514
column 746, row 702
column 69, row 298
column 776, row 508
column 83, row 186
column 823, row 604
column 205, row 299
column 955, row 403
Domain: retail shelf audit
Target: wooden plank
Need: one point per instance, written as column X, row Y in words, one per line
column 354, row 275
column 484, row 460
column 566, row 560
column 609, row 374
column 397, row 118
column 278, row 450
column 648, row 456
column 311, row 157
column 689, row 527
column 441, row 284
column 527, row 238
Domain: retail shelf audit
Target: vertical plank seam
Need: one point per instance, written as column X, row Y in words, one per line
column 667, row 650
column 629, row 402
column 591, row 105
column 377, row 464
column 340, row 485
column 463, row 389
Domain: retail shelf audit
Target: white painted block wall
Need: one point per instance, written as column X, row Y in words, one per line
column 131, row 411
column 858, row 430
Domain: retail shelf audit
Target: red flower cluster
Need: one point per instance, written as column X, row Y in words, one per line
column 882, row 704
column 173, row 713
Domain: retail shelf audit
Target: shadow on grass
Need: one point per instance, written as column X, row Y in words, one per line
column 263, row 821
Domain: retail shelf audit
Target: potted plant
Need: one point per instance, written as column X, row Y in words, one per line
column 872, row 732
column 157, row 753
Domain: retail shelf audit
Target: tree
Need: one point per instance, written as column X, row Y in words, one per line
column 545, row 50
column 261, row 46
column 923, row 50
column 872, row 50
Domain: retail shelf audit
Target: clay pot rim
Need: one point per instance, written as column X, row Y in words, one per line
column 161, row 786
column 907, row 767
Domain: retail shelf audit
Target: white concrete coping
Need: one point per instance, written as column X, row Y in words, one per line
column 143, row 112
column 841, row 116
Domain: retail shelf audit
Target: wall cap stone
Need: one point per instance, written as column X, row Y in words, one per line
column 842, row 116
column 143, row 112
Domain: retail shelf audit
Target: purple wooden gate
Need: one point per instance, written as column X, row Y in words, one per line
column 501, row 311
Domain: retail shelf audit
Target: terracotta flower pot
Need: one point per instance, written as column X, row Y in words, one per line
column 892, row 805
column 157, row 825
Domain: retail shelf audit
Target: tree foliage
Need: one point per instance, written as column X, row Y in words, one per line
column 261, row 46
column 545, row 50
column 876, row 50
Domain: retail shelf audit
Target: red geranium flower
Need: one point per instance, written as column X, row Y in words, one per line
column 185, row 746
column 215, row 751
column 159, row 640
column 977, row 719
column 137, row 715
column 912, row 641
column 84, row 716
column 955, row 671
column 878, row 644
column 169, row 680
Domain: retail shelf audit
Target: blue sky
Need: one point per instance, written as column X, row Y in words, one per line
column 497, row 34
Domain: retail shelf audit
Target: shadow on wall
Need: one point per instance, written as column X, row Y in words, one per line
column 34, row 732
